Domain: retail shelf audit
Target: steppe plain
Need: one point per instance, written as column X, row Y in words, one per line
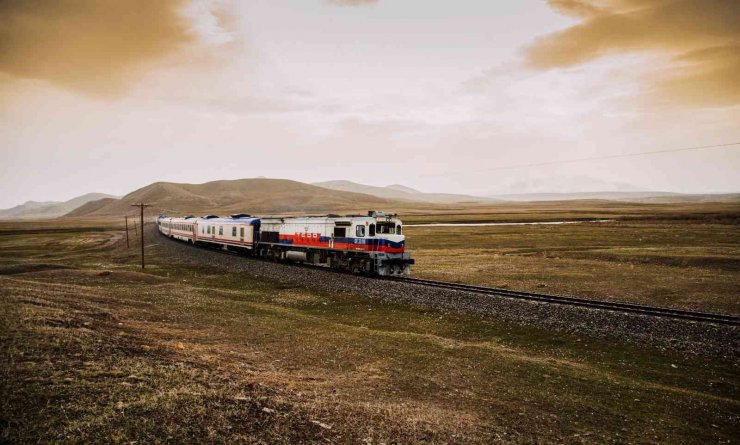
column 96, row 350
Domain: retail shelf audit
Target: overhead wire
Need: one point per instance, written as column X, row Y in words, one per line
column 592, row 158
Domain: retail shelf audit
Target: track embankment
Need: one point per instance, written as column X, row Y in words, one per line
column 686, row 336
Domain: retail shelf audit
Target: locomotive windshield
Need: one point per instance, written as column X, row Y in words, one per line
column 386, row 228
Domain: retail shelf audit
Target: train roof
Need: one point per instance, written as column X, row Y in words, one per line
column 213, row 219
column 246, row 218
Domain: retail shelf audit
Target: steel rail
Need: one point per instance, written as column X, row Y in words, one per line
column 642, row 309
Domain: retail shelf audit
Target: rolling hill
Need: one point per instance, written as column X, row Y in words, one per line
column 403, row 193
column 256, row 195
column 51, row 209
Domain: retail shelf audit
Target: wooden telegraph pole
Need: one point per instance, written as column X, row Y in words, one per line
column 141, row 207
column 127, row 245
column 136, row 232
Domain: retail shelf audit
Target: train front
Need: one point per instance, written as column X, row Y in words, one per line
column 391, row 257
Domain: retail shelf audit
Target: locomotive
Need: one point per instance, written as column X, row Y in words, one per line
column 372, row 244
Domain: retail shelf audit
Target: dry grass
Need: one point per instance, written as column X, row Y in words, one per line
column 104, row 353
column 727, row 213
column 685, row 263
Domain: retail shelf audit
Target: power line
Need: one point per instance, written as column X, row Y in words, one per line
column 594, row 158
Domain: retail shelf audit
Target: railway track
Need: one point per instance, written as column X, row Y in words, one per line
column 633, row 308
column 653, row 311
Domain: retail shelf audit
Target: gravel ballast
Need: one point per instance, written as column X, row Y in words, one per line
column 696, row 338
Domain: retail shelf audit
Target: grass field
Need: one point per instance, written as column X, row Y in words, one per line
column 727, row 213
column 688, row 264
column 93, row 350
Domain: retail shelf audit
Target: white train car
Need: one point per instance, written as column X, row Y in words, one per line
column 237, row 231
column 178, row 228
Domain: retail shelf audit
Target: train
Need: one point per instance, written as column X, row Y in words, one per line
column 372, row 244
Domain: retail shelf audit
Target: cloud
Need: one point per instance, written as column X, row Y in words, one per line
column 702, row 39
column 90, row 46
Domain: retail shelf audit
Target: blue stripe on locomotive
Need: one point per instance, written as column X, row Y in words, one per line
column 378, row 241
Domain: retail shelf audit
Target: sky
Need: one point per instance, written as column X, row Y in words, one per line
column 459, row 97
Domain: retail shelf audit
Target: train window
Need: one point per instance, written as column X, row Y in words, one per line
column 233, row 231
column 388, row 228
column 241, row 231
column 398, row 229
column 220, row 230
column 372, row 230
column 209, row 230
column 360, row 231
column 340, row 232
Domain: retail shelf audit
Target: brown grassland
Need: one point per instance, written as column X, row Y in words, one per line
column 94, row 350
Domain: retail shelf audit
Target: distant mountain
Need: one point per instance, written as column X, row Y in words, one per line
column 50, row 209
column 564, row 188
column 559, row 184
column 400, row 192
column 692, row 198
column 402, row 188
column 255, row 196
column 637, row 197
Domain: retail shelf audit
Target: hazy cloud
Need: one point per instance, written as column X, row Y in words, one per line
column 88, row 45
column 702, row 38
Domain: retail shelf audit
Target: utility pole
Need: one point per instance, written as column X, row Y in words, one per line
column 136, row 232
column 127, row 245
column 141, row 207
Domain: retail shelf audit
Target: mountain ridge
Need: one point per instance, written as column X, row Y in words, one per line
column 401, row 192
column 250, row 195
column 636, row 197
column 50, row 209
